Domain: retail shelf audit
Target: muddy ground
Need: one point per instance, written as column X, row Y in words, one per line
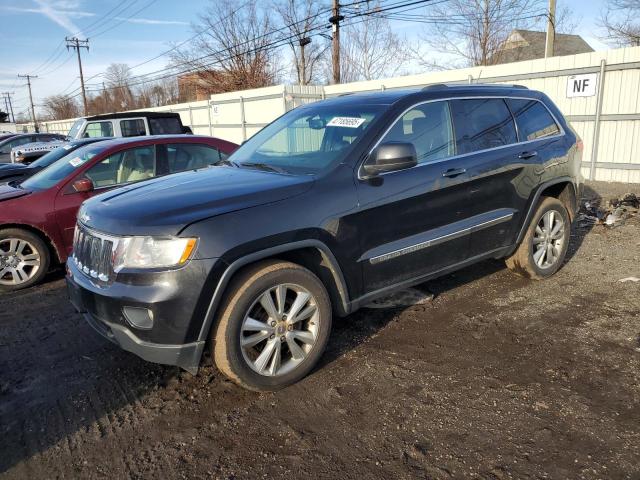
column 497, row 377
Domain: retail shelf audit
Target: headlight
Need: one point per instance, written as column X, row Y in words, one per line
column 150, row 252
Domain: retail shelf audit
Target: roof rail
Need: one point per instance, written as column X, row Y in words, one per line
column 479, row 85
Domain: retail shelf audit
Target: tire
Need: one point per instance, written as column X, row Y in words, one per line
column 528, row 260
column 286, row 350
column 24, row 259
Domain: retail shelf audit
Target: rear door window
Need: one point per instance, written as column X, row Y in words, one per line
column 181, row 157
column 482, row 124
column 133, row 128
column 98, row 129
column 533, row 119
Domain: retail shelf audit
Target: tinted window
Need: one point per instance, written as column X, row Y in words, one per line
column 428, row 128
column 181, row 157
column 481, row 124
column 533, row 119
column 164, row 125
column 98, row 129
column 132, row 128
column 124, row 167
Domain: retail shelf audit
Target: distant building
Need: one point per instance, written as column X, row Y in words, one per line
column 197, row 86
column 529, row 45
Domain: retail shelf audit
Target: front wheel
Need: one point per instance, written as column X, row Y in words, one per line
column 274, row 326
column 545, row 244
column 24, row 259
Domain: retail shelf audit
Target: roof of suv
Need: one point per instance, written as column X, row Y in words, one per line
column 387, row 97
column 109, row 116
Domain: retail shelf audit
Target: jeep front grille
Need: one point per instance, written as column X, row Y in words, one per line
column 92, row 254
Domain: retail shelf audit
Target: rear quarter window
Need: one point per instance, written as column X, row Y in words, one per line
column 533, row 119
column 165, row 125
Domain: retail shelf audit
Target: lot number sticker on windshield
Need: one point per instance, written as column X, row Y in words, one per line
column 349, row 122
column 76, row 161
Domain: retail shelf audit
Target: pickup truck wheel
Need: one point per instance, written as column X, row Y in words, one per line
column 544, row 246
column 24, row 259
column 274, row 326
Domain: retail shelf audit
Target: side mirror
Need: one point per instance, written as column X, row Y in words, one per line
column 83, row 185
column 391, row 156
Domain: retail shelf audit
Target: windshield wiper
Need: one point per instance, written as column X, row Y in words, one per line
column 263, row 166
column 230, row 163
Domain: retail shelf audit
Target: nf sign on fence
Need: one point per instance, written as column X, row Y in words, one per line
column 582, row 85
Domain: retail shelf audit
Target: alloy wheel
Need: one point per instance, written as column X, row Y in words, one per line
column 19, row 261
column 548, row 239
column 279, row 330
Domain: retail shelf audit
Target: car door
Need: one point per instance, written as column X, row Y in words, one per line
column 409, row 220
column 120, row 168
column 487, row 141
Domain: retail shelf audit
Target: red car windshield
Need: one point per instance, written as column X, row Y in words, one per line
column 61, row 169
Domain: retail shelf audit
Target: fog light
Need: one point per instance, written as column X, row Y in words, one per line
column 141, row 318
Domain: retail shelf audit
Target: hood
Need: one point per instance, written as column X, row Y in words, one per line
column 166, row 205
column 7, row 192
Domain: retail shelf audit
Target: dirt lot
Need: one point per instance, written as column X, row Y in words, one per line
column 497, row 377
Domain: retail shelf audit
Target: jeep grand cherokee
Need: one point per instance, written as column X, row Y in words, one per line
column 330, row 206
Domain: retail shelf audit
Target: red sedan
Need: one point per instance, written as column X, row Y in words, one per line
column 38, row 216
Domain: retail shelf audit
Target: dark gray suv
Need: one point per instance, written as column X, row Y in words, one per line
column 330, row 206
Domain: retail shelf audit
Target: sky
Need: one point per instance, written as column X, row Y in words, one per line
column 32, row 36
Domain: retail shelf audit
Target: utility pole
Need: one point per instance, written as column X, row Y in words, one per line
column 551, row 29
column 78, row 44
column 8, row 94
column 33, row 110
column 335, row 54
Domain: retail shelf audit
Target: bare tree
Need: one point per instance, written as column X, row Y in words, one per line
column 299, row 17
column 59, row 107
column 235, row 48
column 118, row 78
column 370, row 49
column 475, row 30
column 621, row 20
column 158, row 93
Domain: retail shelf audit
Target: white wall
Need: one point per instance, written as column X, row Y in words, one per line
column 236, row 116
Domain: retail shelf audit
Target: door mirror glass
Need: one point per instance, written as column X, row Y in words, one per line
column 83, row 185
column 391, row 156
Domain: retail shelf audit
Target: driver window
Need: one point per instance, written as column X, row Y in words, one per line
column 123, row 167
column 428, row 128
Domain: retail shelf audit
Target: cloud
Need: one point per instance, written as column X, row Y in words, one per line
column 150, row 21
column 60, row 12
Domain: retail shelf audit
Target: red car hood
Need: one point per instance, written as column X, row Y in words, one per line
column 7, row 192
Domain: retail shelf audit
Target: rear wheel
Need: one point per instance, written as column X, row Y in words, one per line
column 544, row 246
column 274, row 326
column 24, row 259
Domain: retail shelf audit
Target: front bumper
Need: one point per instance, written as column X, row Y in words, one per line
column 173, row 306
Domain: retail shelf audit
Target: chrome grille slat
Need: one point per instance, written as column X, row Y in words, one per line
column 92, row 254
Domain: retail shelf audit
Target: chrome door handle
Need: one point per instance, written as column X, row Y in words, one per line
column 525, row 155
column 454, row 172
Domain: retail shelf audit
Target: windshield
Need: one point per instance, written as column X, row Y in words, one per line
column 307, row 140
column 55, row 154
column 75, row 129
column 61, row 169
